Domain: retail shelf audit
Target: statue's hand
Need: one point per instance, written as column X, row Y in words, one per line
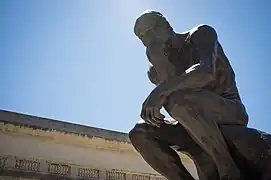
column 153, row 75
column 151, row 108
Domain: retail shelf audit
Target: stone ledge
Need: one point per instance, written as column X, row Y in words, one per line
column 66, row 138
column 56, row 125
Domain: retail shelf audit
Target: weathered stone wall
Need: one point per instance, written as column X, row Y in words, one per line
column 40, row 152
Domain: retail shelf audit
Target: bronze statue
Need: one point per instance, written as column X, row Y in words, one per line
column 196, row 85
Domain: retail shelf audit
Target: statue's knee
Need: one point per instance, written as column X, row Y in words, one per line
column 178, row 111
column 181, row 104
column 137, row 134
column 133, row 135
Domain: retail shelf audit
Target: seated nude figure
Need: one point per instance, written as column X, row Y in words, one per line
column 196, row 85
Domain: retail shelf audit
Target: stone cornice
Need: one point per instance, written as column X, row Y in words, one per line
column 66, row 138
column 56, row 125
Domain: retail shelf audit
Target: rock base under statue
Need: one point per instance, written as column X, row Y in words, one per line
column 251, row 150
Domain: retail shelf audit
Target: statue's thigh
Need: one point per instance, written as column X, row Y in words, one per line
column 207, row 104
column 167, row 133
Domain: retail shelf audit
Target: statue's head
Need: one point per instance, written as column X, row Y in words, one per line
column 152, row 26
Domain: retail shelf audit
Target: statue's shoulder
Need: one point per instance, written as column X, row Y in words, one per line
column 185, row 34
column 198, row 28
column 200, row 33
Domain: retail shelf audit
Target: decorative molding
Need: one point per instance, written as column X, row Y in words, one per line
column 59, row 169
column 39, row 167
column 3, row 160
column 27, row 165
column 88, row 173
column 160, row 178
column 140, row 177
column 115, row 175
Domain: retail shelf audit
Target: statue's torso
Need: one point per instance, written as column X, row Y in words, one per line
column 225, row 84
column 186, row 56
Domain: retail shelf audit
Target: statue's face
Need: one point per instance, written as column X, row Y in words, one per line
column 153, row 29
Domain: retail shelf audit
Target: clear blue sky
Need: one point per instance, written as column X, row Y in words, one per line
column 79, row 61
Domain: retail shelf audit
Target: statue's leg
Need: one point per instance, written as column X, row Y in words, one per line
column 171, row 135
column 154, row 146
column 200, row 112
column 206, row 167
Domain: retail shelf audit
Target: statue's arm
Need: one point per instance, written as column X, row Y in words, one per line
column 205, row 40
column 152, row 73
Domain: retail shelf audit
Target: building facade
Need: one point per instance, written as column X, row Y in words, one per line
column 39, row 148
